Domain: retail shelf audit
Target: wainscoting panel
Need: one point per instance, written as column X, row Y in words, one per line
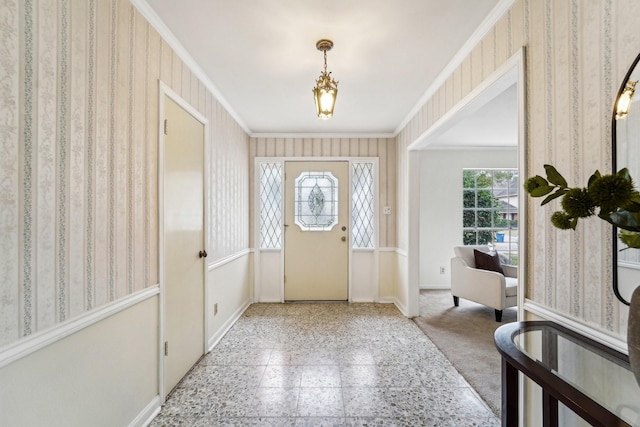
column 103, row 375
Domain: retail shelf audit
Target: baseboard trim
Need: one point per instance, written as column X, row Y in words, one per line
column 147, row 415
column 213, row 341
column 42, row 339
column 597, row 334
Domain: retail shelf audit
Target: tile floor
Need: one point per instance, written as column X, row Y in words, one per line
column 325, row 364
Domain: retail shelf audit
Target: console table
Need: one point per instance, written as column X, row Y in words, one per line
column 592, row 380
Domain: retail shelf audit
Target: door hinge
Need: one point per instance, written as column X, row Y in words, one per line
column 165, row 126
column 166, row 348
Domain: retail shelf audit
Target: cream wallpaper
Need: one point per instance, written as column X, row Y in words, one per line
column 382, row 148
column 577, row 53
column 78, row 159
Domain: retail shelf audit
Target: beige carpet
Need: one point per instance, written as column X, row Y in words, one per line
column 465, row 335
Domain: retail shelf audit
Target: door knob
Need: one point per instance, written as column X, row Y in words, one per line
column 343, row 238
column 202, row 254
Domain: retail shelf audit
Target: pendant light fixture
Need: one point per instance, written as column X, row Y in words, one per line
column 326, row 89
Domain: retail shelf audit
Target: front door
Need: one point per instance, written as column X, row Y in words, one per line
column 183, row 241
column 316, row 260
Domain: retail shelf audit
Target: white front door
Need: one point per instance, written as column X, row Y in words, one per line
column 183, row 241
column 316, row 260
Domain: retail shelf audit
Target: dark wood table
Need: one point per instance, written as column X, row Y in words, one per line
column 591, row 379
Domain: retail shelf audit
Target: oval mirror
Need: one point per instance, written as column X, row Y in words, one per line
column 626, row 154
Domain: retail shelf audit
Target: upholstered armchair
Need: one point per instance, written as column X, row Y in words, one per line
column 491, row 288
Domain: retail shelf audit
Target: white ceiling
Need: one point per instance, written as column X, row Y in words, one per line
column 260, row 55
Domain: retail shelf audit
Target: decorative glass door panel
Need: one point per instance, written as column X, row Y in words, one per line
column 316, row 201
column 316, row 231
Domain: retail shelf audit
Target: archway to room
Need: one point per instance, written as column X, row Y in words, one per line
column 485, row 130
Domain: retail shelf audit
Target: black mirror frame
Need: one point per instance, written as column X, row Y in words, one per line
column 614, row 165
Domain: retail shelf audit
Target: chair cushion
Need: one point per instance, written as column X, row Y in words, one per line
column 511, row 286
column 488, row 261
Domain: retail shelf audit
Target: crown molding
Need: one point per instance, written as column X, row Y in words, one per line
column 487, row 24
column 156, row 22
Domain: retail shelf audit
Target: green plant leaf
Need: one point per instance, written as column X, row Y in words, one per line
column 554, row 176
column 574, row 223
column 537, row 186
column 623, row 219
column 624, row 172
column 630, row 238
column 559, row 193
column 593, row 177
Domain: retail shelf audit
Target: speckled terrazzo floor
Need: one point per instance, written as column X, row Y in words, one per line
column 325, row 364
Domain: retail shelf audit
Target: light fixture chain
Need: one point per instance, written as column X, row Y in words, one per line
column 325, row 61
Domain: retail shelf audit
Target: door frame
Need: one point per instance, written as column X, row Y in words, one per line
column 511, row 71
column 165, row 90
column 258, row 279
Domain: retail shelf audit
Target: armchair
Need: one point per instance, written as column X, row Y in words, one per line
column 482, row 286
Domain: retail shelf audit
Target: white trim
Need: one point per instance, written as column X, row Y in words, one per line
column 591, row 331
column 147, row 415
column 523, row 199
column 213, row 341
column 471, row 148
column 309, row 135
column 152, row 17
column 510, row 72
column 402, row 308
column 226, row 260
column 39, row 340
column 402, row 252
column 487, row 25
column 426, row 286
column 496, row 77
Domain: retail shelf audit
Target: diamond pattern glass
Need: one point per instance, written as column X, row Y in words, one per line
column 362, row 205
column 316, row 201
column 270, row 205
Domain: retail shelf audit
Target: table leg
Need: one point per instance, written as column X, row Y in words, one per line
column 509, row 395
column 549, row 410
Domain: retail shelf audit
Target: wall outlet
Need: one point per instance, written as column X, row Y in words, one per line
column 386, row 210
column 441, row 269
column 215, row 309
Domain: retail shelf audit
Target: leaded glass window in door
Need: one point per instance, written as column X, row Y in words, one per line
column 362, row 205
column 316, row 201
column 270, row 205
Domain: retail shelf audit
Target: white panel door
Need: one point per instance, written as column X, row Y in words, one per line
column 316, row 259
column 183, row 241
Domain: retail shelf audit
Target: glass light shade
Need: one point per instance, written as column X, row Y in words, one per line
column 624, row 102
column 325, row 94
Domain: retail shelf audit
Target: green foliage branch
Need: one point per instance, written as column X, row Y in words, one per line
column 613, row 196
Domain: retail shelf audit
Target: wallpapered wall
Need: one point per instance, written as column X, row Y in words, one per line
column 577, row 53
column 383, row 148
column 78, row 159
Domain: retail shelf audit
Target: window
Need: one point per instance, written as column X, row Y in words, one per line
column 362, row 205
column 490, row 210
column 316, row 201
column 270, row 205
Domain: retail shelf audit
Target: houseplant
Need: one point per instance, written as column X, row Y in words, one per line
column 613, row 196
column 617, row 202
